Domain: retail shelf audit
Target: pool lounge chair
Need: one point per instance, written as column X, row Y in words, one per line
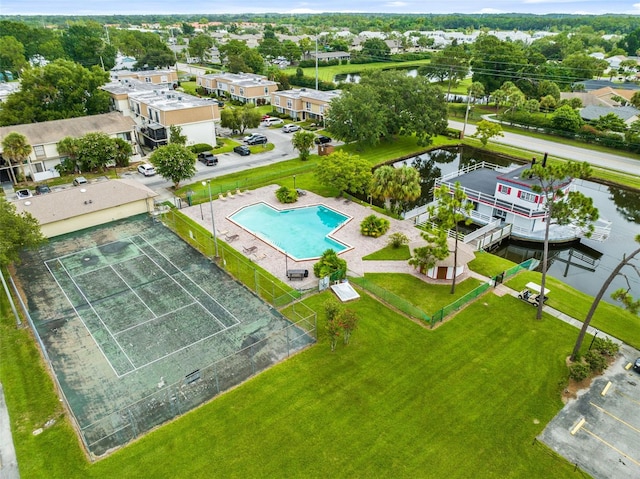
column 229, row 238
column 250, row 249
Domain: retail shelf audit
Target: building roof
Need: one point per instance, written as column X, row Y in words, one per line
column 48, row 132
column 128, row 85
column 597, row 84
column 169, row 100
column 593, row 112
column 242, row 79
column 485, row 180
column 78, row 201
column 320, row 95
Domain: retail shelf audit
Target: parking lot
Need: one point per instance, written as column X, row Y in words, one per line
column 600, row 430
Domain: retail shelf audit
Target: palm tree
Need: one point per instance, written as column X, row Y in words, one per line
column 383, row 184
column 16, row 149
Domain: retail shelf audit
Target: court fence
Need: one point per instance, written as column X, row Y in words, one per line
column 124, row 425
column 239, row 266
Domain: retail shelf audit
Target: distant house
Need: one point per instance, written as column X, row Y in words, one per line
column 165, row 78
column 628, row 114
column 605, row 96
column 97, row 203
column 44, row 136
column 243, row 87
column 326, row 56
column 155, row 109
column 304, row 103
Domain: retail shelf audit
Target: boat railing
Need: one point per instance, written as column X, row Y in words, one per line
column 480, row 197
column 472, row 167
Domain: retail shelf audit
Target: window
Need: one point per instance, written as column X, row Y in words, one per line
column 39, row 167
column 504, row 189
column 277, row 100
column 322, row 109
column 266, row 90
column 124, row 136
column 147, row 79
column 241, row 92
column 307, row 105
column 233, row 89
column 526, row 196
column 39, row 150
column 164, row 79
column 289, row 104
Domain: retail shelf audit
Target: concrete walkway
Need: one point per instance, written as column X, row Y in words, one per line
column 8, row 461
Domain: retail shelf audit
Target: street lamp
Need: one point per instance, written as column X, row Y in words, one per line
column 213, row 222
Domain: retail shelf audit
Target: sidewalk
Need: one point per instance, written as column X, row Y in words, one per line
column 8, row 461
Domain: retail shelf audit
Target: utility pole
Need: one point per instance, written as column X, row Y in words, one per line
column 316, row 62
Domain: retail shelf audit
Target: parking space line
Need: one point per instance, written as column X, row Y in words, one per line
column 626, row 396
column 615, row 417
column 606, row 388
column 578, row 426
column 611, row 446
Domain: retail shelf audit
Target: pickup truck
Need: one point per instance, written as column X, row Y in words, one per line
column 208, row 158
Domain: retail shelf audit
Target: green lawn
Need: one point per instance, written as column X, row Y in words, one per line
column 611, row 319
column 389, row 253
column 327, row 73
column 465, row 400
column 489, row 265
column 427, row 297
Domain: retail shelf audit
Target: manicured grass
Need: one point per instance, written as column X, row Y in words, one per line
column 489, row 264
column 390, row 253
column 428, row 297
column 465, row 400
column 327, row 73
column 611, row 319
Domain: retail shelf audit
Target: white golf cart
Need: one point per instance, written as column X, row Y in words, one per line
column 531, row 294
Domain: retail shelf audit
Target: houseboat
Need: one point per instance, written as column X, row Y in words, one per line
column 500, row 194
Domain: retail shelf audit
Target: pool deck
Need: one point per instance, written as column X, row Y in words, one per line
column 274, row 260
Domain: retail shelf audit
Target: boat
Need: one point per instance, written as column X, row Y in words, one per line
column 504, row 195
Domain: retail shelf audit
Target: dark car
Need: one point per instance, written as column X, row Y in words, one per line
column 242, row 150
column 636, row 365
column 257, row 140
column 42, row 190
column 208, row 158
column 322, row 140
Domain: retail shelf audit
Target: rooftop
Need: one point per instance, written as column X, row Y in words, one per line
column 48, row 132
column 80, row 200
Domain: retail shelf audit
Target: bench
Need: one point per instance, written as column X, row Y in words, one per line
column 297, row 274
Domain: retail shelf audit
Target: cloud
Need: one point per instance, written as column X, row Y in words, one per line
column 490, row 10
column 396, row 4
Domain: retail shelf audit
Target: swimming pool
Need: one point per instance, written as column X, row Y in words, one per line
column 302, row 233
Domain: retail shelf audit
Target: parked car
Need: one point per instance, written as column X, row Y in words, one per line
column 264, row 117
column 636, row 365
column 21, row 194
column 242, row 150
column 80, row 180
column 208, row 158
column 42, row 190
column 146, row 169
column 257, row 140
column 290, row 128
column 253, row 136
column 322, row 140
column 273, row 121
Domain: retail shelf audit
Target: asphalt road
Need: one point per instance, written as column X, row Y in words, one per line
column 596, row 158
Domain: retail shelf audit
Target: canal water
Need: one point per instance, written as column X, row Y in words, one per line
column 584, row 266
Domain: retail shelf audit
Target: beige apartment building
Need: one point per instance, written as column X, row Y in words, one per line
column 304, row 103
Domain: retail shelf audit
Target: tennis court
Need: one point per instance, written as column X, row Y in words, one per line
column 139, row 327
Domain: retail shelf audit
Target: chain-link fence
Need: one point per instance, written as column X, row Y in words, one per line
column 392, row 299
column 170, row 401
column 244, row 270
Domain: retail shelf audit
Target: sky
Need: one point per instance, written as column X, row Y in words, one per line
column 137, row 7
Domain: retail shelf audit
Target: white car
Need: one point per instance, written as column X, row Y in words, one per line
column 273, row 121
column 290, row 128
column 146, row 169
column 21, row 194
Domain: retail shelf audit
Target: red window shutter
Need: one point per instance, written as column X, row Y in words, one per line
column 519, row 193
column 509, row 190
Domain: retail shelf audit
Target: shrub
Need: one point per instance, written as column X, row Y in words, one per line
column 374, row 226
column 329, row 264
column 606, row 347
column 596, row 361
column 398, row 239
column 579, row 371
column 285, row 195
column 200, row 147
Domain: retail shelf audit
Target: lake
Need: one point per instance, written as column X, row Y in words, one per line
column 584, row 266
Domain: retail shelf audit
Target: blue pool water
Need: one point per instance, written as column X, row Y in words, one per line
column 300, row 232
